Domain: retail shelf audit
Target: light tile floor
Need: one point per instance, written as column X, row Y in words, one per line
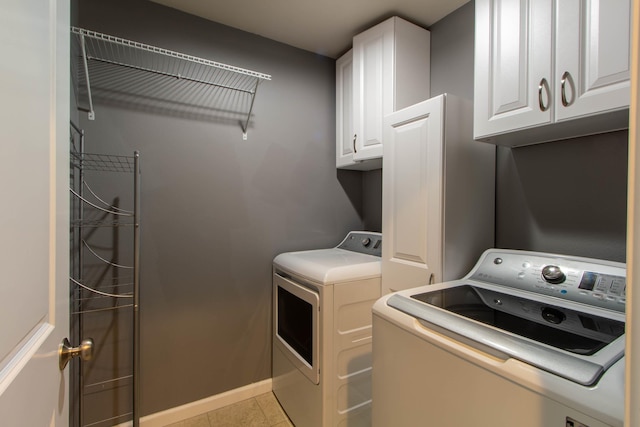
column 260, row 411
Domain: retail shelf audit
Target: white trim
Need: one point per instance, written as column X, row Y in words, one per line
column 13, row 364
column 211, row 403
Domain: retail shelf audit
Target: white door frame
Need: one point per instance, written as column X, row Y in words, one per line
column 632, row 352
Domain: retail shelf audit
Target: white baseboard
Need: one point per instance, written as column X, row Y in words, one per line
column 192, row 409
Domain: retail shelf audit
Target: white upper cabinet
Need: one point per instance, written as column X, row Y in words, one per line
column 542, row 64
column 513, row 45
column 412, row 197
column 344, row 110
column 593, row 63
column 390, row 66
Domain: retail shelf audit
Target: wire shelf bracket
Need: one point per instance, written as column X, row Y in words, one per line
column 181, row 82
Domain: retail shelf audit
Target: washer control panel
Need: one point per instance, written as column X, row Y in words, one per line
column 595, row 282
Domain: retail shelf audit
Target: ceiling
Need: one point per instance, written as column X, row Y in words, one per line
column 321, row 26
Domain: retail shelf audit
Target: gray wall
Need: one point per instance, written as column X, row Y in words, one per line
column 563, row 197
column 372, row 200
column 217, row 209
column 452, row 53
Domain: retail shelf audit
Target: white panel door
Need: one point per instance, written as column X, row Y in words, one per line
column 34, row 220
column 412, row 185
column 513, row 74
column 372, row 88
column 593, row 62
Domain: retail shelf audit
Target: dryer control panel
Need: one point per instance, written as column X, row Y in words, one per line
column 364, row 242
column 589, row 281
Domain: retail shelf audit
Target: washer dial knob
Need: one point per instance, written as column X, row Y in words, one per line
column 553, row 274
column 366, row 242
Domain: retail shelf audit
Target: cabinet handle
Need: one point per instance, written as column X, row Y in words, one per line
column 543, row 85
column 566, row 77
column 432, row 279
column 355, row 136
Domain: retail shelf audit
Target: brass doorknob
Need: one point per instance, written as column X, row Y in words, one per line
column 66, row 352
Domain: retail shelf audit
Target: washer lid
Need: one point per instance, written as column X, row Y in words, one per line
column 559, row 340
column 328, row 266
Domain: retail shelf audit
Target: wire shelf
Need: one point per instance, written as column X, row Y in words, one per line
column 99, row 292
column 110, row 280
column 103, row 162
column 117, row 70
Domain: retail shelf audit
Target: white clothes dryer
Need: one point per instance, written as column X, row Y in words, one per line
column 525, row 339
column 322, row 302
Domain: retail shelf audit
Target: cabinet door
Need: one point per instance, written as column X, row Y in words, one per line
column 412, row 196
column 592, row 56
column 344, row 110
column 372, row 89
column 513, row 74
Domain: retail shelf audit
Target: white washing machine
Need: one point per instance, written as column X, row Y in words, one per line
column 322, row 331
column 526, row 339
